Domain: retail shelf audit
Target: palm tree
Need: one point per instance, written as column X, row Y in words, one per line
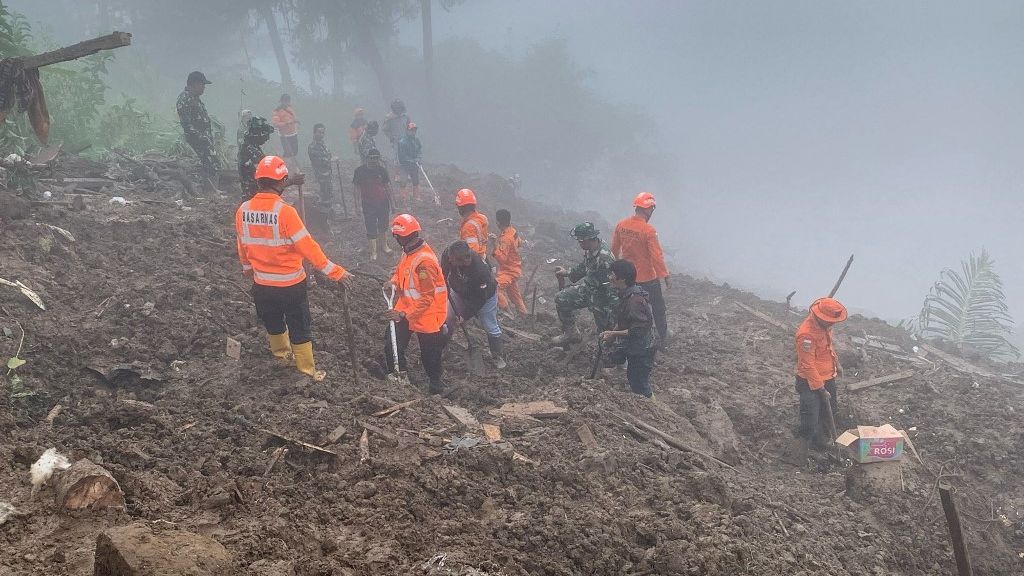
column 968, row 308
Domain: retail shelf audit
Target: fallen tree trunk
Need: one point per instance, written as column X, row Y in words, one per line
column 76, row 51
column 87, row 486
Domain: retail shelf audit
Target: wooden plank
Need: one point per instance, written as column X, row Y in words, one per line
column 364, row 446
column 536, row 409
column 958, row 364
column 390, row 437
column 956, row 532
column 765, row 317
column 76, row 51
column 671, row 441
column 880, row 380
column 523, row 334
column 336, row 434
column 291, row 440
column 587, row 437
column 492, row 432
column 279, row 453
column 463, row 416
column 392, row 409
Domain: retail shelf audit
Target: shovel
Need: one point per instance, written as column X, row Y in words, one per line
column 437, row 199
column 597, row 359
column 474, row 358
column 400, row 376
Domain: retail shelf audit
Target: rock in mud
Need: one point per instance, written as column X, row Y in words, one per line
column 87, row 486
column 136, row 550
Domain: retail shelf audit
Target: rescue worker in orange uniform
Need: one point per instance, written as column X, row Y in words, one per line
column 421, row 305
column 287, row 125
column 510, row 264
column 272, row 243
column 636, row 240
column 817, row 367
column 474, row 224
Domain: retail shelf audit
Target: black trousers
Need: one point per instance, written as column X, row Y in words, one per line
column 812, row 427
column 657, row 306
column 326, row 191
column 283, row 309
column 377, row 217
column 431, row 349
column 638, row 372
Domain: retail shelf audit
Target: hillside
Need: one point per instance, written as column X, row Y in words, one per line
column 138, row 307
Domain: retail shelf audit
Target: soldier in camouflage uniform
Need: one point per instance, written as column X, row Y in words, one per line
column 199, row 128
column 249, row 155
column 320, row 158
column 590, row 287
column 366, row 141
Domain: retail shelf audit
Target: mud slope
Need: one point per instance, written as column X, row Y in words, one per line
column 139, row 306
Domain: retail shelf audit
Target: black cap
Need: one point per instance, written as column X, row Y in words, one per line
column 197, row 77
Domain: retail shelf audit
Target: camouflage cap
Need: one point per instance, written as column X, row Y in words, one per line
column 585, row 231
column 258, row 126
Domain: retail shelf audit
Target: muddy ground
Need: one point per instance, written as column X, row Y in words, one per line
column 139, row 306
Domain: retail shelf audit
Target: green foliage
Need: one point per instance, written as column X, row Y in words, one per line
column 968, row 308
column 125, row 127
column 15, row 33
column 75, row 94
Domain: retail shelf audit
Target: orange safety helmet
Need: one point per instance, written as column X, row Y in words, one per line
column 272, row 167
column 411, row 126
column 644, row 200
column 465, row 197
column 828, row 310
column 359, row 111
column 404, row 224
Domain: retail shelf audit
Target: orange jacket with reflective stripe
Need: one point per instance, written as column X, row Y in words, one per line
column 815, row 358
column 284, row 120
column 272, row 242
column 636, row 240
column 506, row 253
column 423, row 294
column 474, row 232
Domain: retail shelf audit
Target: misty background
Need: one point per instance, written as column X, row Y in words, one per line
column 778, row 137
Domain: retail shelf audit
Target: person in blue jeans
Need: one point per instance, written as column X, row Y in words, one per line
column 473, row 293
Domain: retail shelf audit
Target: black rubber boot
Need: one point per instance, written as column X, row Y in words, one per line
column 496, row 346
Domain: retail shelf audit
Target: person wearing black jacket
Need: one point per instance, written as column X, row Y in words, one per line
column 473, row 293
column 634, row 334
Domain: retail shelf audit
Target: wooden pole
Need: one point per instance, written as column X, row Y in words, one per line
column 349, row 333
column 341, row 187
column 956, row 532
column 841, row 277
column 73, row 52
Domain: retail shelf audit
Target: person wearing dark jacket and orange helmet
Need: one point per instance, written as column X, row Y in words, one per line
column 421, row 305
column 473, row 228
column 817, row 366
column 272, row 243
column 472, row 293
column 636, row 240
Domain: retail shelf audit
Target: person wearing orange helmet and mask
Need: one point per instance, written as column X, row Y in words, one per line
column 421, row 306
column 272, row 244
column 473, row 228
column 636, row 240
column 816, row 367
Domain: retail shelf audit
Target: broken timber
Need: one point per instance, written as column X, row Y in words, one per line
column 364, row 446
column 670, row 440
column 536, row 409
column 75, row 51
column 290, row 440
column 492, row 432
column 956, row 531
column 392, row 409
column 880, row 380
column 765, row 317
column 587, row 437
column 522, row 334
column 462, row 416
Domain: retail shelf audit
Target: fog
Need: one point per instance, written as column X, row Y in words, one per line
column 791, row 134
column 803, row 132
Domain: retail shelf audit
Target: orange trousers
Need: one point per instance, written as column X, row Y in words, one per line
column 508, row 289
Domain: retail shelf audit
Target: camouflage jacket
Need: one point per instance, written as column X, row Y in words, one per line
column 594, row 269
column 193, row 116
column 320, row 158
column 249, row 156
column 365, row 144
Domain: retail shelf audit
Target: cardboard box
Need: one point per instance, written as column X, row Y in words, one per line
column 873, row 443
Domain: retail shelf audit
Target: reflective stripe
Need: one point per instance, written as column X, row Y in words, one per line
column 248, row 240
column 440, row 289
column 246, row 266
column 279, row 277
column 247, row 237
column 411, row 288
column 329, row 267
column 299, row 235
column 471, row 240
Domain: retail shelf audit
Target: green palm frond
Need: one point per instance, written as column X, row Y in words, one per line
column 968, row 308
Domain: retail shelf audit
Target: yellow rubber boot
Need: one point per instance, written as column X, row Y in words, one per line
column 383, row 241
column 304, row 361
column 281, row 348
column 373, row 248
